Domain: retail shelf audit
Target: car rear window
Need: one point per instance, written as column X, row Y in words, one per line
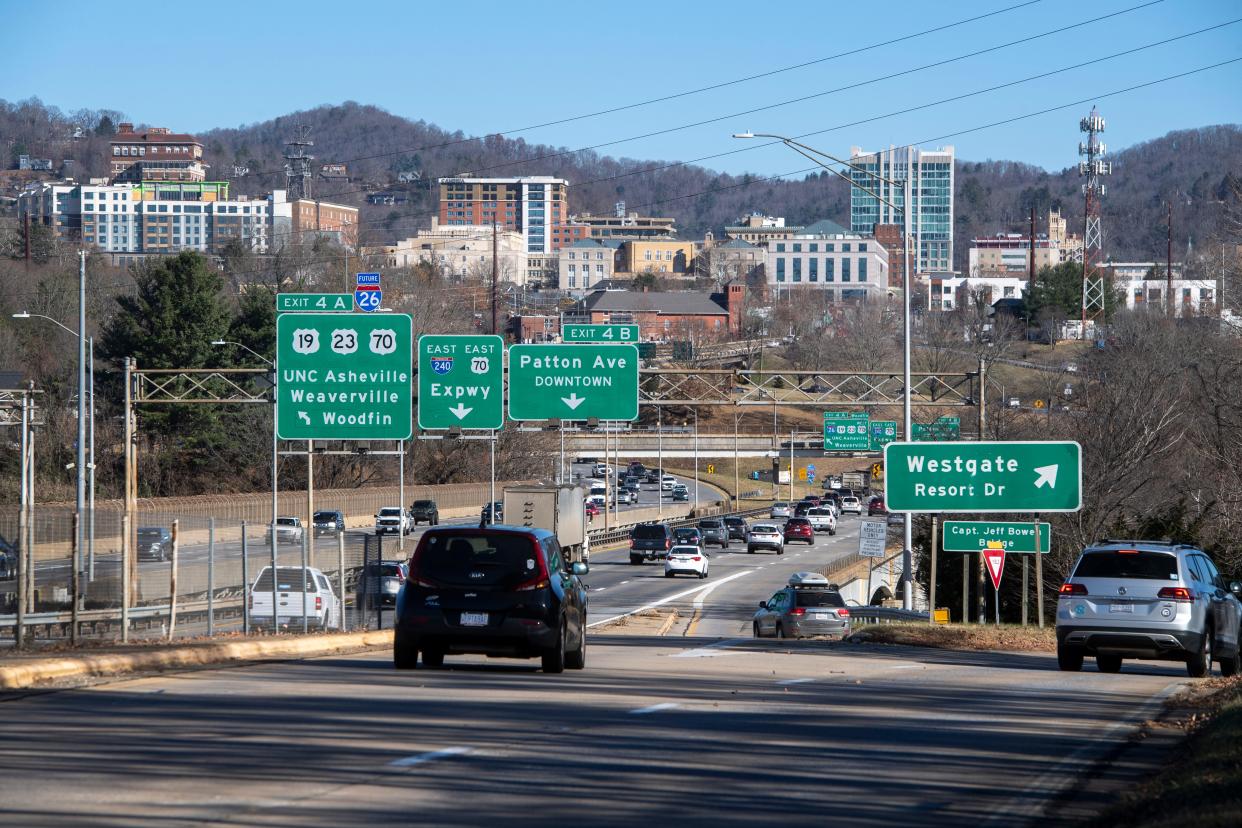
column 424, row 504
column 709, row 524
column 818, row 598
column 763, row 527
column 477, row 559
column 288, row 578
column 150, row 535
column 817, row 511
column 323, row 516
column 1150, row 566
column 798, row 522
column 656, row 532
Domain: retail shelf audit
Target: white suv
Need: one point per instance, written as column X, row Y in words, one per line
column 1148, row 600
column 392, row 520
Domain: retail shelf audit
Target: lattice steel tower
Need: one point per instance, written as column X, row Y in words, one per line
column 1093, row 167
column 297, row 166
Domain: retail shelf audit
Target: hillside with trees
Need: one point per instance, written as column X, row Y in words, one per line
column 1188, row 168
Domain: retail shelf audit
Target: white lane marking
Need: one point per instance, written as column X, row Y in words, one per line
column 795, row 681
column 670, row 598
column 712, row 650
column 430, row 756
column 655, row 708
column 599, row 589
column 1036, row 793
column 623, row 582
column 904, row 666
column 698, row 601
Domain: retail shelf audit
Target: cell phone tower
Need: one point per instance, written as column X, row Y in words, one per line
column 1094, row 167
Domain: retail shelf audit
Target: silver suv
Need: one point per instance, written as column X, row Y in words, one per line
column 1148, row 600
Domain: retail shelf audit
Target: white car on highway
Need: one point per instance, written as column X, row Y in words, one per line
column 667, row 482
column 851, row 504
column 318, row 600
column 765, row 536
column 780, row 510
column 823, row 519
column 686, row 560
column 392, row 520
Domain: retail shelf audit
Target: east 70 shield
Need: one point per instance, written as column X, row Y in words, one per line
column 368, row 294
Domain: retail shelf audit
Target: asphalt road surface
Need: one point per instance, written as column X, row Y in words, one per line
column 711, row 730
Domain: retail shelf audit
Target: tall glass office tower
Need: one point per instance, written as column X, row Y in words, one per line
column 931, row 174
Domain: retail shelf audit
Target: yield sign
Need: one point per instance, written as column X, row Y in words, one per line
column 995, row 560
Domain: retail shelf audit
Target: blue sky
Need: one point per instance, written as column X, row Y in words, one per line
column 484, row 67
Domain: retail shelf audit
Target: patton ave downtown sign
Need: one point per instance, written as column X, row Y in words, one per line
column 461, row 381
column 343, row 376
column 573, row 382
column 983, row 477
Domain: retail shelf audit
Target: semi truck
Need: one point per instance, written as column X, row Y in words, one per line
column 559, row 508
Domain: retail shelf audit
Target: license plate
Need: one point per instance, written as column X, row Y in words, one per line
column 474, row 619
column 1121, row 608
column 819, row 616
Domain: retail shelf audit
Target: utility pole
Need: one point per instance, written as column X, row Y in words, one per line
column 1168, row 265
column 1030, row 270
column 495, row 278
column 297, row 168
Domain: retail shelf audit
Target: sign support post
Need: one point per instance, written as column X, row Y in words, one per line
column 1026, row 589
column 1039, row 577
column 966, row 588
column 931, row 581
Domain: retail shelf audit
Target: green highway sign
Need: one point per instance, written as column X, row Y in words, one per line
column 977, row 535
column 599, row 333
column 573, row 382
column 314, row 302
column 983, row 477
column 343, row 376
column 945, row 428
column 883, row 432
column 461, row 381
column 846, row 431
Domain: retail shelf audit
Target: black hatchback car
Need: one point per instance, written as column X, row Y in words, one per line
column 501, row 591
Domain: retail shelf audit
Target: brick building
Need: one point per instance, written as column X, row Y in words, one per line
column 666, row 316
column 155, row 155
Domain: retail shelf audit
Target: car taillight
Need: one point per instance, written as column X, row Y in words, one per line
column 696, row 558
column 668, row 543
column 1073, row 589
column 423, row 582
column 798, row 611
column 250, row 601
column 537, row 583
column 1176, row 594
column 843, row 613
column 631, row 543
column 318, row 603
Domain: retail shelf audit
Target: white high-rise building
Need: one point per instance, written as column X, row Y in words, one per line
column 931, row 176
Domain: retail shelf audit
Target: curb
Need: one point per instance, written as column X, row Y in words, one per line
column 38, row 672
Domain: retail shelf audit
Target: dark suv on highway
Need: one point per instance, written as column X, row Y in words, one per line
column 424, row 510
column 154, row 543
column 714, row 531
column 328, row 522
column 501, row 591
column 650, row 542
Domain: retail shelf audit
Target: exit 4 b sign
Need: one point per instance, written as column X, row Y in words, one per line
column 983, row 477
column 599, row 333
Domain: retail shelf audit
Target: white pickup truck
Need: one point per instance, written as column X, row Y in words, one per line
column 823, row 519
column 323, row 607
column 392, row 520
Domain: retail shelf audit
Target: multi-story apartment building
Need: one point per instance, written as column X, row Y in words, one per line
column 1008, row 254
column 931, row 175
column 825, row 256
column 536, row 206
column 151, row 217
column 155, row 155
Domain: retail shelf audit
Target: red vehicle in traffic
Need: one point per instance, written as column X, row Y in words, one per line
column 875, row 506
column 799, row 529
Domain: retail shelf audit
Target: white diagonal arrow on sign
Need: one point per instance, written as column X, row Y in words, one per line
column 573, row 401
column 1047, row 474
column 461, row 411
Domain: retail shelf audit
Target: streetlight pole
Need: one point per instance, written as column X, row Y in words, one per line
column 84, row 537
column 907, row 557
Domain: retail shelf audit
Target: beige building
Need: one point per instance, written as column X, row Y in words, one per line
column 759, row 229
column 586, row 263
column 462, row 251
column 663, row 257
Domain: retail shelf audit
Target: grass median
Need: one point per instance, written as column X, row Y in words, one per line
column 1007, row 637
column 1201, row 785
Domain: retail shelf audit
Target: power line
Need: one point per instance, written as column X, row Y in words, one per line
column 954, row 134
column 698, row 90
column 870, row 119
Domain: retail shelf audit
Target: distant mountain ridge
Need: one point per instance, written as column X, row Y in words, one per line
column 1188, row 167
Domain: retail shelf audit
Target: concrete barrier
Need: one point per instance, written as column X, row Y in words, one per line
column 38, row 671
